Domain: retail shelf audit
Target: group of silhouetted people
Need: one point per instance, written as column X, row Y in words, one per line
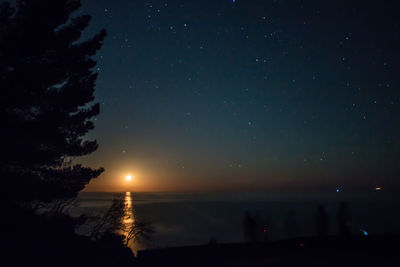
column 343, row 220
column 252, row 230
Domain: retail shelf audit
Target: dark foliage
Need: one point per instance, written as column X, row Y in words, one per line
column 49, row 239
column 112, row 223
column 46, row 93
column 46, row 90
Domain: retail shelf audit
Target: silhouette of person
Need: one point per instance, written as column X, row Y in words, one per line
column 249, row 228
column 291, row 225
column 265, row 234
column 322, row 221
column 343, row 219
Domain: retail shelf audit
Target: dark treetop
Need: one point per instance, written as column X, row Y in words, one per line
column 47, row 83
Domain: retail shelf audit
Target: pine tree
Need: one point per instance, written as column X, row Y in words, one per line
column 47, row 84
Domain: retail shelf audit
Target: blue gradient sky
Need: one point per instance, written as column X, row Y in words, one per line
column 247, row 95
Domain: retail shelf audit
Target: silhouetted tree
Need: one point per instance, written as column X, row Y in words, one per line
column 322, row 221
column 343, row 219
column 47, row 83
column 112, row 223
column 139, row 231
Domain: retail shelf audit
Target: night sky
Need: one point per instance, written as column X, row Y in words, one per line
column 247, row 95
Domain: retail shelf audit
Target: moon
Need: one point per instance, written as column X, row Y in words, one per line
column 128, row 177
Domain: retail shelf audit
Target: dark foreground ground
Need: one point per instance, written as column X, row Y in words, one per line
column 79, row 251
column 355, row 251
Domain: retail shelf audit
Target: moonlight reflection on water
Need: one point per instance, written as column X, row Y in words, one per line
column 129, row 218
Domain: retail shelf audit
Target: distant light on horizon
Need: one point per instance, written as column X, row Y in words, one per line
column 378, row 188
column 365, row 233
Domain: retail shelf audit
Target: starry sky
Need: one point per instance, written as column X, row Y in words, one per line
column 247, row 95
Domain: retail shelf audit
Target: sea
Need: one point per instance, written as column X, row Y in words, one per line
column 184, row 219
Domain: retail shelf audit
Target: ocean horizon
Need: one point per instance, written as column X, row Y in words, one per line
column 183, row 219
